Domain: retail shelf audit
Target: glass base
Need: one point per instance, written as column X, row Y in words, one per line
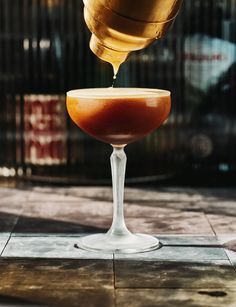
column 124, row 244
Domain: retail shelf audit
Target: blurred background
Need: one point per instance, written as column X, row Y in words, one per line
column 44, row 53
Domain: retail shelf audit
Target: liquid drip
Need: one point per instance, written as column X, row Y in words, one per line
column 115, row 66
column 113, row 82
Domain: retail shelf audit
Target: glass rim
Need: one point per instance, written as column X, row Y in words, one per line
column 118, row 93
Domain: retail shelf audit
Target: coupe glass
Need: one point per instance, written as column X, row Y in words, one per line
column 118, row 116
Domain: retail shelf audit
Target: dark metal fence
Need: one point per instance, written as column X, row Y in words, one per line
column 44, row 52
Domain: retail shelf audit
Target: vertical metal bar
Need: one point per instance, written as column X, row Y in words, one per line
column 34, row 27
column 62, row 35
column 44, row 44
column 9, row 81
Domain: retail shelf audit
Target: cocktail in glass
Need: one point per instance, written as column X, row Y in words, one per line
column 118, row 116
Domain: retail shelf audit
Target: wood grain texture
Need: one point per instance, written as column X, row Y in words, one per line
column 175, row 297
column 49, row 247
column 194, row 267
column 56, row 274
column 35, row 297
column 174, row 274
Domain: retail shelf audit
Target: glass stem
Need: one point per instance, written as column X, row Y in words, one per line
column 118, row 164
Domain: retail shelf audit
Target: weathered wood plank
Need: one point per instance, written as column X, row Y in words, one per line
column 63, row 297
column 131, row 194
column 3, row 241
column 95, row 216
column 174, row 274
column 223, row 224
column 178, row 253
column 219, row 207
column 43, row 274
column 229, row 244
column 171, row 223
column 48, row 247
column 159, row 193
column 13, row 195
column 70, row 210
column 189, row 240
column 175, row 297
column 28, row 226
column 7, row 223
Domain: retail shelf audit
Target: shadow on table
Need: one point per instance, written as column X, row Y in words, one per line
column 6, row 300
column 22, row 225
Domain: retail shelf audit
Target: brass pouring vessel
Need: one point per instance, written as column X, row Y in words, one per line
column 119, row 27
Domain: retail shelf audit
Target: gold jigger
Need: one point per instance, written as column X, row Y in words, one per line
column 121, row 26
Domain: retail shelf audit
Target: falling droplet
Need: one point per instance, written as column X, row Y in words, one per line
column 115, row 66
column 114, row 79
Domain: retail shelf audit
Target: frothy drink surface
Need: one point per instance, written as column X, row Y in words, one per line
column 118, row 115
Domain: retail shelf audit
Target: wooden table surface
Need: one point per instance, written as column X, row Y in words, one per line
column 196, row 265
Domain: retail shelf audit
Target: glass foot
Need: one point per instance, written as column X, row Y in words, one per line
column 107, row 243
